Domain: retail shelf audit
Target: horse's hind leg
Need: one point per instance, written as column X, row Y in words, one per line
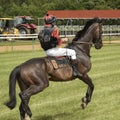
column 26, row 94
column 24, row 108
column 23, row 111
column 87, row 98
column 23, row 87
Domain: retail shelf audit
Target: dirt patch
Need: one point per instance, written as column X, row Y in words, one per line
column 19, row 48
column 111, row 42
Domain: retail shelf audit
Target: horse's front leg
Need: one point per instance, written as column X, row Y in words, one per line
column 87, row 98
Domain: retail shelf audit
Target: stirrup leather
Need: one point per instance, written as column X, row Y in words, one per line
column 76, row 73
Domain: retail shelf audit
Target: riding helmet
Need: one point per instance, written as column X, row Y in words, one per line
column 49, row 19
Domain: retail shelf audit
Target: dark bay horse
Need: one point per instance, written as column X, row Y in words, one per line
column 33, row 75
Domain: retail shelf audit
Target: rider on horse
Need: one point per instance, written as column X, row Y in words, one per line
column 49, row 39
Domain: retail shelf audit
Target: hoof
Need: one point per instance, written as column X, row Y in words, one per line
column 27, row 118
column 84, row 99
column 83, row 105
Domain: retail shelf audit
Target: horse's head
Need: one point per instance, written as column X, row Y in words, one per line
column 91, row 33
column 97, row 34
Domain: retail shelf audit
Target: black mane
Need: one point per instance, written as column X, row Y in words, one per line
column 81, row 33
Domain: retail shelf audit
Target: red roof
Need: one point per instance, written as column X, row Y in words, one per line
column 85, row 13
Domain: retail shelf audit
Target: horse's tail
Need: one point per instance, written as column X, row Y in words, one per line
column 12, row 87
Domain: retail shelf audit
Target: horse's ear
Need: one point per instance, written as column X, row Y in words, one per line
column 100, row 20
column 97, row 19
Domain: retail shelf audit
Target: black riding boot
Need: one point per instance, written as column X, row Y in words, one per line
column 76, row 73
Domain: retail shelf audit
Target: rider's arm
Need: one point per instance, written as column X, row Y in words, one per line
column 56, row 35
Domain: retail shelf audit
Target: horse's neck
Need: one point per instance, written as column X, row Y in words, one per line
column 84, row 48
column 84, row 44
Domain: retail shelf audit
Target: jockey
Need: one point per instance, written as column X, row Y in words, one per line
column 51, row 48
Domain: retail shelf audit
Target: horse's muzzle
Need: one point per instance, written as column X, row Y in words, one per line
column 98, row 46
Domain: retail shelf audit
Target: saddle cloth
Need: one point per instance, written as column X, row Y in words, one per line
column 59, row 62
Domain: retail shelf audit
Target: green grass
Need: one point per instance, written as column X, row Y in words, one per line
column 61, row 101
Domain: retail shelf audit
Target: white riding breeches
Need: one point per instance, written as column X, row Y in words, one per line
column 61, row 52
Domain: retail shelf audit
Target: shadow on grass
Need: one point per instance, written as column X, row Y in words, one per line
column 54, row 116
column 44, row 117
column 50, row 117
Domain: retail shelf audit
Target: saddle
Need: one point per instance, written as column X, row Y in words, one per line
column 65, row 61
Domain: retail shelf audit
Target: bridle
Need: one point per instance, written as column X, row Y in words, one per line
column 100, row 33
column 89, row 43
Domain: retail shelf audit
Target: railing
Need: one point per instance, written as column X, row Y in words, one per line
column 19, row 36
column 33, row 43
column 35, row 36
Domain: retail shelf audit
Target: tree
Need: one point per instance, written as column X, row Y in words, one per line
column 38, row 8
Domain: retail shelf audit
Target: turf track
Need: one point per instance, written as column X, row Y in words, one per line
column 61, row 101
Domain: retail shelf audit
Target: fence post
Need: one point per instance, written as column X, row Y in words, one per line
column 11, row 45
column 33, row 42
column 109, row 39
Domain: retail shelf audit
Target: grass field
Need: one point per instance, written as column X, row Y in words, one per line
column 61, row 101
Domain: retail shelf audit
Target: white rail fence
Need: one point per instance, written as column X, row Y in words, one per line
column 19, row 36
column 65, row 31
column 35, row 36
column 11, row 46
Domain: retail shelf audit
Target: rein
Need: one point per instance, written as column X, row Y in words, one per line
column 80, row 49
column 83, row 43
